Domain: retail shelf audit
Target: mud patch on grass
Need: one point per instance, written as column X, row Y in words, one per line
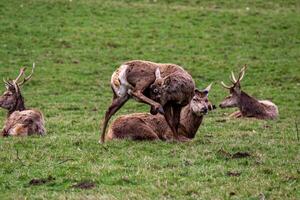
column 85, row 185
column 41, row 181
column 233, row 173
column 241, row 155
column 236, row 155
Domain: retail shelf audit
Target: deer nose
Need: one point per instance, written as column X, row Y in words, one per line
column 205, row 110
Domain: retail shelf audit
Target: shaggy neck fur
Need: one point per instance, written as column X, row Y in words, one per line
column 19, row 105
column 250, row 107
column 189, row 122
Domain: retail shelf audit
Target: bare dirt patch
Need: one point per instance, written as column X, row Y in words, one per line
column 235, row 155
column 233, row 173
column 84, row 185
column 41, row 181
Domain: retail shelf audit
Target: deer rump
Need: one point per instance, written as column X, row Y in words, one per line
column 24, row 123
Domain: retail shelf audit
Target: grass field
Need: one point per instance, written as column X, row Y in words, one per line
column 76, row 46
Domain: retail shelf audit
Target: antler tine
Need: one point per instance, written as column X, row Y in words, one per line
column 22, row 70
column 7, row 83
column 242, row 73
column 233, row 77
column 28, row 77
column 225, row 86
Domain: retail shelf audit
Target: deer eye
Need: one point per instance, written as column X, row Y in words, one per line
column 155, row 90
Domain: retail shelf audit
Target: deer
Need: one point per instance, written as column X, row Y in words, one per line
column 145, row 126
column 248, row 105
column 20, row 121
column 133, row 80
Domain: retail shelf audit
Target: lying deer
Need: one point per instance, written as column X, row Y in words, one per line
column 248, row 106
column 133, row 79
column 144, row 126
column 20, row 121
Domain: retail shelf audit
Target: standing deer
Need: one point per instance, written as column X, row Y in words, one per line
column 144, row 126
column 133, row 79
column 20, row 121
column 248, row 106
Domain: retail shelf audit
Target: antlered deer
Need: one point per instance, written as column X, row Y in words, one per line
column 133, row 79
column 144, row 126
column 248, row 106
column 20, row 121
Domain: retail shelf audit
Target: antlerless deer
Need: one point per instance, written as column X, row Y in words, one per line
column 133, row 79
column 20, row 121
column 144, row 126
column 248, row 106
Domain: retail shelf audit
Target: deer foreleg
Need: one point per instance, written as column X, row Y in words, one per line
column 169, row 118
column 176, row 119
column 116, row 104
column 236, row 114
column 137, row 93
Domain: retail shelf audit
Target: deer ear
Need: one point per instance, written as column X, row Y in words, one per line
column 201, row 93
column 157, row 73
column 207, row 89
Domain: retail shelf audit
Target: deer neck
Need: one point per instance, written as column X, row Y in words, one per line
column 19, row 105
column 189, row 122
column 249, row 106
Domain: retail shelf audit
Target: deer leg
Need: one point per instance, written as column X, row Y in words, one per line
column 169, row 118
column 176, row 120
column 236, row 114
column 137, row 93
column 182, row 138
column 116, row 104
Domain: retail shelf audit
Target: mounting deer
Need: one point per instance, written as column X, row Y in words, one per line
column 248, row 106
column 133, row 79
column 20, row 121
column 144, row 126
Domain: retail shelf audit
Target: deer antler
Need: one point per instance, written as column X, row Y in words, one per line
column 28, row 77
column 242, row 73
column 225, row 86
column 7, row 82
column 22, row 71
column 233, row 79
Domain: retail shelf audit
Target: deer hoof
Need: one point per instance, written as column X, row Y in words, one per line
column 153, row 111
column 161, row 110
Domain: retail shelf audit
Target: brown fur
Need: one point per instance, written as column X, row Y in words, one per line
column 20, row 121
column 24, row 123
column 248, row 106
column 173, row 92
column 144, row 126
column 132, row 79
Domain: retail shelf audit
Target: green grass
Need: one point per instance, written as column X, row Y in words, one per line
column 76, row 46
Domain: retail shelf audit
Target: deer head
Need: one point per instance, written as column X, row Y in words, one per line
column 12, row 99
column 235, row 90
column 157, row 87
column 200, row 104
